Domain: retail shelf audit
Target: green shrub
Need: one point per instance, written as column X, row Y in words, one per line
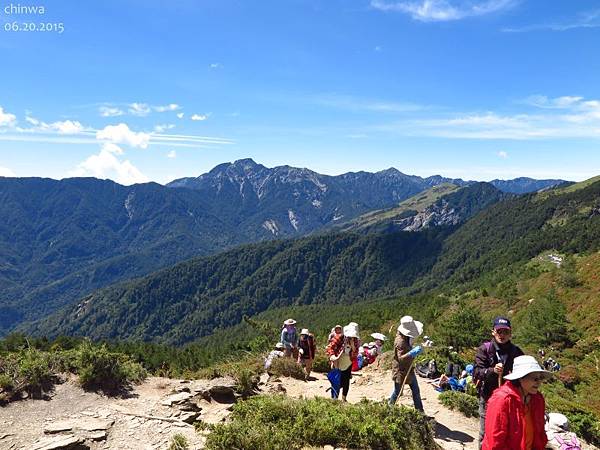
column 6, row 382
column 276, row 422
column 179, row 442
column 286, row 367
column 35, row 373
column 100, row 369
column 321, row 363
column 466, row 404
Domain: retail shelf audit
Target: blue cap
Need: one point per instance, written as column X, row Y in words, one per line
column 501, row 322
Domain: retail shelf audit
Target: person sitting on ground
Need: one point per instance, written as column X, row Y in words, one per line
column 494, row 359
column 277, row 352
column 342, row 350
column 289, row 338
column 516, row 410
column 558, row 433
column 306, row 350
column 380, row 338
column 404, row 355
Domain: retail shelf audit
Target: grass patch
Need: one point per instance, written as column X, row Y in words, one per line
column 179, row 442
column 465, row 403
column 286, row 367
column 276, row 422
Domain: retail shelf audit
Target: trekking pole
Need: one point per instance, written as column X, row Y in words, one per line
column 500, row 374
column 406, row 377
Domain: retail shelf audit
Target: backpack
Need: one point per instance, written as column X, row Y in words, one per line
column 573, row 444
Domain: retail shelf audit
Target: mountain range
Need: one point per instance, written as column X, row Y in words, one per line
column 61, row 240
column 200, row 296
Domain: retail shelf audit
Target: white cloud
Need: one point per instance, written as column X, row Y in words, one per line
column 199, row 117
column 6, row 172
column 443, row 10
column 169, row 107
column 378, row 48
column 108, row 111
column 216, row 66
column 7, row 119
column 121, row 134
column 502, row 154
column 139, row 109
column 67, row 127
column 180, row 115
column 590, row 19
column 164, row 127
column 106, row 164
column 172, row 154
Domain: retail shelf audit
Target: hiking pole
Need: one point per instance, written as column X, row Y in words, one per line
column 500, row 374
column 406, row 377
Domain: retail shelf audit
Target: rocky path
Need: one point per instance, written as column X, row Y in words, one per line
column 160, row 408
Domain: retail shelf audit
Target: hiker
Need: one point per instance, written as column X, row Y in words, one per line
column 380, row 338
column 494, row 359
column 277, row 352
column 289, row 338
column 558, row 433
column 335, row 330
column 404, row 355
column 342, row 350
column 306, row 350
column 516, row 410
column 355, row 364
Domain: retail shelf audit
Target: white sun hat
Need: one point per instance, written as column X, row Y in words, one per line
column 304, row 331
column 290, row 322
column 279, row 345
column 523, row 366
column 350, row 332
column 380, row 336
column 410, row 327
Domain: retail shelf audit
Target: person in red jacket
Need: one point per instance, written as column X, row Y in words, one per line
column 515, row 416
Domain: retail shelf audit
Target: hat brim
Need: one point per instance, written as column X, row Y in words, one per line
column 517, row 375
column 502, row 327
column 414, row 331
column 379, row 336
column 290, row 322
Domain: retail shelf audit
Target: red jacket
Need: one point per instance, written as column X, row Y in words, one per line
column 505, row 420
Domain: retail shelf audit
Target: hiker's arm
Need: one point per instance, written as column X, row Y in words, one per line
column 481, row 370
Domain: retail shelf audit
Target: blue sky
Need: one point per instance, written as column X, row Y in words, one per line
column 150, row 90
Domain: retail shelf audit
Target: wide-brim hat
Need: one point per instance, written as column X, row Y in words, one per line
column 380, row 336
column 279, row 345
column 290, row 322
column 557, row 423
column 350, row 332
column 523, row 366
column 304, row 331
column 410, row 327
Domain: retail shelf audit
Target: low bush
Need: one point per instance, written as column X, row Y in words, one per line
column 100, row 369
column 286, row 367
column 321, row 362
column 465, row 403
column 276, row 422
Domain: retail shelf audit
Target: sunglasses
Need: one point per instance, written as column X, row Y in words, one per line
column 504, row 331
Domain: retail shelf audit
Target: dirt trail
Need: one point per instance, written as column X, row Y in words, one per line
column 146, row 420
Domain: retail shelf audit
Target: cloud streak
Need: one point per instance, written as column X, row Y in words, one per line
column 589, row 19
column 443, row 10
